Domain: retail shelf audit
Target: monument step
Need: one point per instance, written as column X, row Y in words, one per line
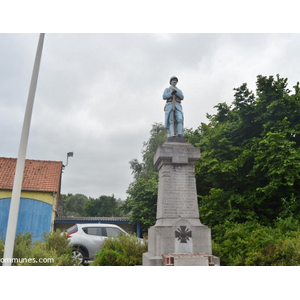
column 190, row 259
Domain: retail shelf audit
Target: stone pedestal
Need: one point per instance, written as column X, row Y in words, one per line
column 178, row 229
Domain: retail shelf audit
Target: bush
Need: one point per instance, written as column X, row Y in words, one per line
column 125, row 250
column 53, row 251
column 251, row 244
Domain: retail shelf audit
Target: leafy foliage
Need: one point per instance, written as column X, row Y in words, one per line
column 250, row 156
column 79, row 205
column 142, row 200
column 248, row 175
column 158, row 135
column 55, row 250
column 121, row 251
column 74, row 204
column 104, row 206
column 251, row 244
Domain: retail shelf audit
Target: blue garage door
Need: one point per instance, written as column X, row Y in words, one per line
column 34, row 217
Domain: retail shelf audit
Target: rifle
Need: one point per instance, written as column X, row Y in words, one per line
column 173, row 119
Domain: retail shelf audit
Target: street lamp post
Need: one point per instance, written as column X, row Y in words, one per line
column 17, row 187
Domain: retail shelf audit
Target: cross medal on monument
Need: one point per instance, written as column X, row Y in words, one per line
column 183, row 234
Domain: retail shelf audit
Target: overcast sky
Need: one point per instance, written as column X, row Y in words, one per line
column 98, row 95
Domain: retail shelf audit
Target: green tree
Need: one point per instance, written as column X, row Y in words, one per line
column 73, row 204
column 250, row 156
column 142, row 200
column 104, row 206
column 158, row 135
column 61, row 204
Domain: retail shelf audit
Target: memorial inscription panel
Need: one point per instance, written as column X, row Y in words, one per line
column 177, row 195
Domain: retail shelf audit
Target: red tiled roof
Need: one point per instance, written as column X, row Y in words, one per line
column 39, row 175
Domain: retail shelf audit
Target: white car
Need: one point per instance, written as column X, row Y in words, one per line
column 87, row 239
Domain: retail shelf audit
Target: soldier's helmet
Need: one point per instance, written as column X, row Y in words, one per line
column 173, row 77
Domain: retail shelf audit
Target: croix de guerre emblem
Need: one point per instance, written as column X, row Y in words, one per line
column 183, row 234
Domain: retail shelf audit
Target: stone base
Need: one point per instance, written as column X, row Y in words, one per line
column 176, row 236
column 150, row 260
column 178, row 229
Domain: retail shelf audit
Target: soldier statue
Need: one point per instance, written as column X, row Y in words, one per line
column 173, row 109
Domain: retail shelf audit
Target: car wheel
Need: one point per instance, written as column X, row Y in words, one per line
column 78, row 255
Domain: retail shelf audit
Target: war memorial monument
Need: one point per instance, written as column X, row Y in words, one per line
column 178, row 238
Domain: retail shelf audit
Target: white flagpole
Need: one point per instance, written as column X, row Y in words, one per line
column 16, row 192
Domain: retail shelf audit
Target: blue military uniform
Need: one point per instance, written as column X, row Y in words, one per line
column 167, row 95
